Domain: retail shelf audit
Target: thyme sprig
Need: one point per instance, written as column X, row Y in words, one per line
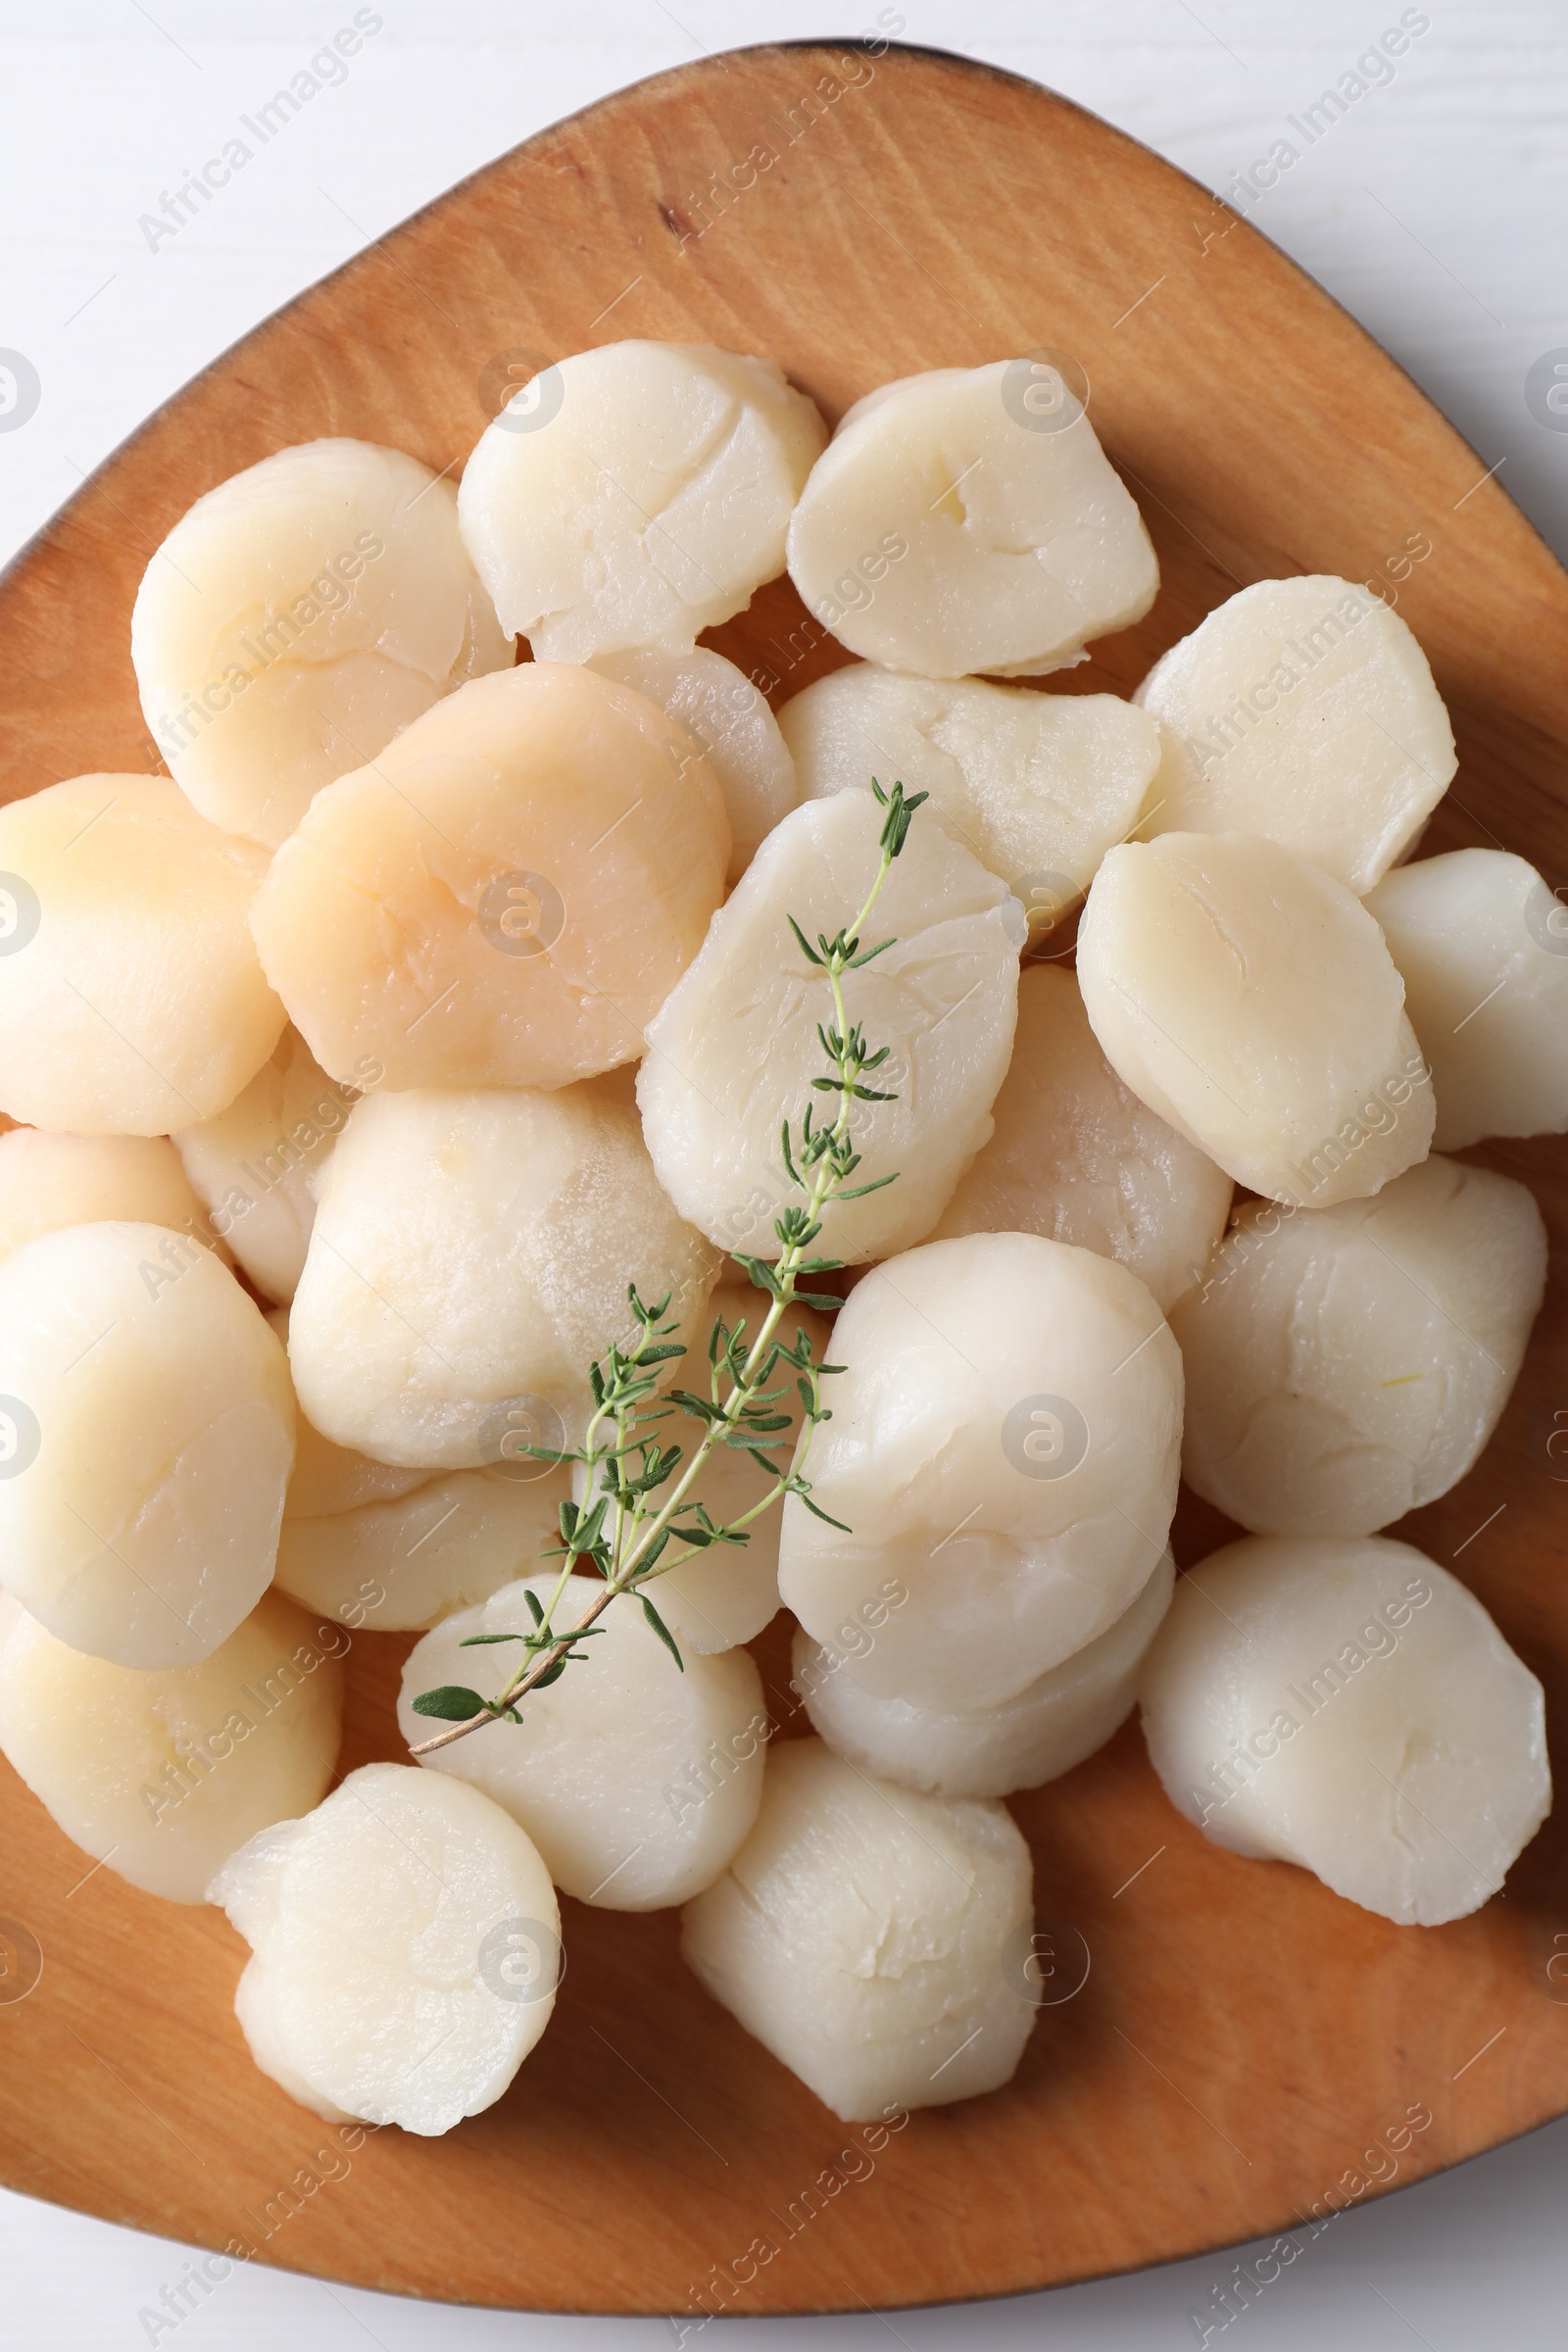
column 621, row 1527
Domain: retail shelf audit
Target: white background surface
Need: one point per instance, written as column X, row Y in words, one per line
column 1435, row 211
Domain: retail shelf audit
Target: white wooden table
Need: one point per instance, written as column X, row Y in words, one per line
column 1433, row 205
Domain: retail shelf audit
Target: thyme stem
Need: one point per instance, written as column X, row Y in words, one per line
column 827, row 1155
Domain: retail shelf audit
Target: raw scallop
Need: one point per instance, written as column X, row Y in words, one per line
column 876, row 1941
column 470, row 1258
column 635, row 1780
column 146, row 1438
column 734, row 1051
column 1303, row 709
column 296, row 618
column 256, row 1164
column 1050, row 1726
column 406, row 1949
column 1482, row 945
column 1248, row 999
column 730, row 724
column 131, row 999
column 636, row 495
column 1345, row 1366
column 375, row 1543
column 330, row 1480
column 1077, row 1157
column 505, row 896
column 49, row 1180
column 1039, row 786
column 405, row 1563
column 969, row 519
column 1004, row 1444
column 1351, row 1707
column 162, row 1775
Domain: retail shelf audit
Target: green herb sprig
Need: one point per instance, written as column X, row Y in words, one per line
column 623, row 1530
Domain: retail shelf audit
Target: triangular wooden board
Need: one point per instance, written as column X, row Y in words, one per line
column 1244, row 2039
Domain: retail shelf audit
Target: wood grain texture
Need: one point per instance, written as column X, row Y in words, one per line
column 1242, row 2035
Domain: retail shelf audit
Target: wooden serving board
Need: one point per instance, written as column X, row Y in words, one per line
column 1244, row 2037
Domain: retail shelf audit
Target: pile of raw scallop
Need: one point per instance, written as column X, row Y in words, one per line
column 436, row 993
